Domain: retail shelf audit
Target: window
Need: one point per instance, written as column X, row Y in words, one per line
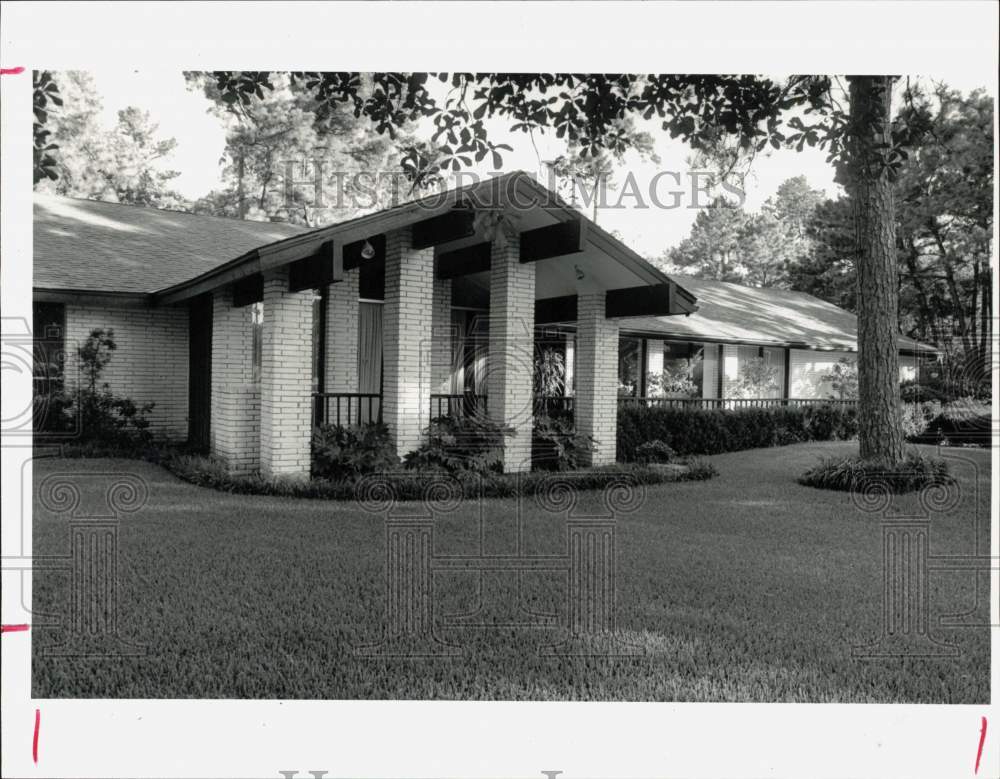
column 630, row 367
column 49, row 355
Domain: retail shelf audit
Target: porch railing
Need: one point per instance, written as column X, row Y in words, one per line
column 357, row 408
column 732, row 403
column 346, row 408
column 463, row 405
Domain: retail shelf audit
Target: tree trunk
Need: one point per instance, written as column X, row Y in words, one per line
column 880, row 425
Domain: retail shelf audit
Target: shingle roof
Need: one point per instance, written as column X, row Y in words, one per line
column 109, row 247
column 732, row 312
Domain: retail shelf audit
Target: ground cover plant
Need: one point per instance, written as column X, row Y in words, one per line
column 851, row 474
column 413, row 484
column 748, row 587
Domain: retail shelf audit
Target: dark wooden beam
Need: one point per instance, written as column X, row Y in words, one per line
column 647, row 300
column 555, row 240
column 324, row 267
column 247, row 290
column 787, row 389
column 352, row 254
column 462, row 262
column 550, row 310
column 720, row 373
column 452, row 226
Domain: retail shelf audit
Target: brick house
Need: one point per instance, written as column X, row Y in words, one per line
column 245, row 334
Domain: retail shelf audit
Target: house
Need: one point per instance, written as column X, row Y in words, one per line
column 245, row 334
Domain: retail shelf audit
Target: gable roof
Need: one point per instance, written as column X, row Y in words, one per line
column 106, row 248
column 734, row 313
column 110, row 247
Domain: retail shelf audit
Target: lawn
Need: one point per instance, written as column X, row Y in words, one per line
column 748, row 587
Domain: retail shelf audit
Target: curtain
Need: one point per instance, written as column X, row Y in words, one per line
column 370, row 352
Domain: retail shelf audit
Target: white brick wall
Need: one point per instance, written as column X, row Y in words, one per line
column 654, row 360
column 286, row 378
column 597, row 377
column 510, row 361
column 341, row 369
column 407, row 319
column 150, row 364
column 235, row 423
column 710, row 371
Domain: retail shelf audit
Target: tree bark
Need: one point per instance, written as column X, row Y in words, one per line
column 880, row 424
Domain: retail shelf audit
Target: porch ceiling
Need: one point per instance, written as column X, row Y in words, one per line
column 590, row 271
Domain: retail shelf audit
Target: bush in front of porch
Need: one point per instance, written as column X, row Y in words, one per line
column 409, row 485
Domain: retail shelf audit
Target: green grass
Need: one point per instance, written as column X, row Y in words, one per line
column 747, row 587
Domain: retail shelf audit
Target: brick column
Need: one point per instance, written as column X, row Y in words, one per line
column 442, row 338
column 235, row 423
column 597, row 377
column 511, row 350
column 341, row 336
column 406, row 326
column 286, row 378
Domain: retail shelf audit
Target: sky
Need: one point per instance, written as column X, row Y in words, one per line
column 183, row 114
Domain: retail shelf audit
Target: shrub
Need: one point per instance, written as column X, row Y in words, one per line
column 852, row 474
column 654, row 452
column 697, row 431
column 914, row 392
column 471, row 443
column 549, row 373
column 917, row 417
column 209, row 472
column 92, row 410
column 830, row 422
column 345, row 452
column 555, row 445
column 965, row 422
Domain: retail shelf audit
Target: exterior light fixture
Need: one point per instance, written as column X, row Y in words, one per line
column 580, row 275
column 368, row 251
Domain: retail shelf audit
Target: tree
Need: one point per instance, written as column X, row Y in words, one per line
column 590, row 110
column 757, row 249
column 277, row 152
column 867, row 179
column 826, row 268
column 121, row 166
column 945, row 191
column 580, row 170
column 944, row 227
column 714, row 248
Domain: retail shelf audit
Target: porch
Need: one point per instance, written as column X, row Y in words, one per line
column 426, row 310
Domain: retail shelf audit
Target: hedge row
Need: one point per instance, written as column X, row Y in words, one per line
column 423, row 485
column 695, row 431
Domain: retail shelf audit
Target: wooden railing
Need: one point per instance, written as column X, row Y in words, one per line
column 464, row 405
column 346, row 408
column 732, row 403
column 555, row 405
